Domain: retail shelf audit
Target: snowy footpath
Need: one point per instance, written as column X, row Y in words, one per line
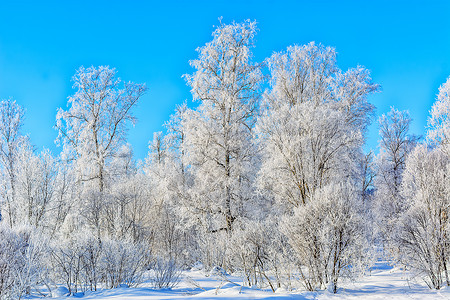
column 383, row 283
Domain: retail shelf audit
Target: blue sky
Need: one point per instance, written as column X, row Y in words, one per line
column 405, row 44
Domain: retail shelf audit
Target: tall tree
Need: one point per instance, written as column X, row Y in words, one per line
column 423, row 228
column 94, row 126
column 395, row 144
column 218, row 133
column 313, row 122
column 11, row 117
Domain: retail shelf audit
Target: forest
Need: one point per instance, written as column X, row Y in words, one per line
column 264, row 176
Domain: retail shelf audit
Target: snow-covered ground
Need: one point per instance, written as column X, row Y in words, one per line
column 383, row 283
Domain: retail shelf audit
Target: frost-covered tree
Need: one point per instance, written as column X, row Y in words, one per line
column 94, row 126
column 165, row 175
column 313, row 122
column 175, row 139
column 439, row 123
column 64, row 205
column 11, row 121
column 126, row 204
column 395, row 144
column 175, row 161
column 129, row 215
column 36, row 186
column 173, row 178
column 368, row 173
column 217, row 141
column 423, row 231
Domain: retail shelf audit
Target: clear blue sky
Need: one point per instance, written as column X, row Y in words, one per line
column 406, row 45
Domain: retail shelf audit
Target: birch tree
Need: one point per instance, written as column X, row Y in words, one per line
column 94, row 126
column 218, row 132
column 312, row 124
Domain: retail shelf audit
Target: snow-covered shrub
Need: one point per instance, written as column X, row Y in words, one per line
column 21, row 268
column 327, row 237
column 123, row 262
column 254, row 252
column 90, row 260
column 197, row 266
column 66, row 263
column 129, row 207
column 166, row 274
column 85, row 262
column 218, row 271
column 213, row 248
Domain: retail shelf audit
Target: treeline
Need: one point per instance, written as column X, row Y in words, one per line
column 266, row 178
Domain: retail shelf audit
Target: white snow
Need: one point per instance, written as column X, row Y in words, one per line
column 384, row 282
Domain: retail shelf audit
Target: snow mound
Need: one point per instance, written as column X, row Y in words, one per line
column 60, row 292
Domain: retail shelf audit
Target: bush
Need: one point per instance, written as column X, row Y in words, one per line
column 123, row 263
column 327, row 237
column 84, row 263
column 166, row 274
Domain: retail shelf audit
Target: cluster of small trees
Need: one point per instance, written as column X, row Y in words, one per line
column 266, row 177
column 274, row 179
column 88, row 215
